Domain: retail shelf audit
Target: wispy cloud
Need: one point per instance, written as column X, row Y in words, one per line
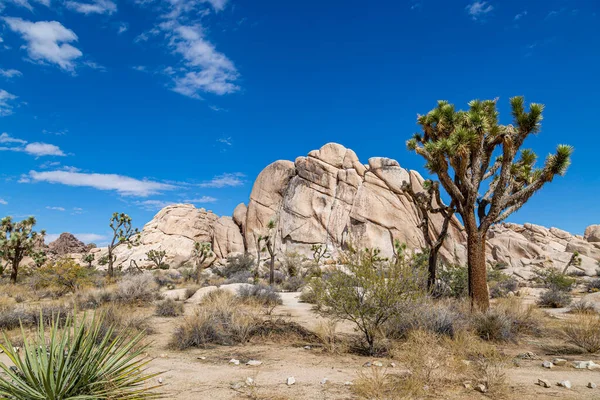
column 6, row 138
column 92, row 7
column 25, row 3
column 153, row 205
column 94, row 65
column 55, row 208
column 225, row 140
column 57, row 133
column 123, row 27
column 3, row 202
column 10, row 73
column 123, row 185
column 6, row 100
column 224, row 180
column 217, row 109
column 47, row 42
column 201, row 200
column 520, row 15
column 479, row 9
column 140, row 68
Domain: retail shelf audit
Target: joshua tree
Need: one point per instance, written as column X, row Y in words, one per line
column 429, row 202
column 259, row 250
column 123, row 233
column 157, row 257
column 319, row 252
column 89, row 259
column 17, row 240
column 39, row 257
column 270, row 240
column 459, row 147
column 201, row 252
column 574, row 262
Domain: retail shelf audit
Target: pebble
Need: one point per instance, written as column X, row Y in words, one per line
column 307, row 347
column 547, row 364
column 234, row 361
column 481, row 388
column 254, row 363
column 163, row 355
column 202, row 358
column 559, row 361
column 592, row 385
column 565, row 384
column 236, row 385
column 393, row 365
column 249, row 381
column 586, row 365
column 367, row 364
column 324, row 381
column 290, row 381
column 544, row 383
column 348, row 383
column 378, row 364
column 160, row 380
column 468, row 385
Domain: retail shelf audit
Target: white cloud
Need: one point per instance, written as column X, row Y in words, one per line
column 520, row 15
column 57, row 133
column 200, row 200
column 478, row 9
column 123, row 185
column 3, row 202
column 218, row 5
column 140, row 68
column 6, row 108
column 225, row 180
column 47, row 41
column 6, row 138
column 43, row 149
column 94, row 65
column 55, row 208
column 92, row 7
column 225, row 140
column 10, row 73
column 49, row 164
column 123, row 27
column 26, row 4
column 153, row 205
column 217, row 109
column 207, row 69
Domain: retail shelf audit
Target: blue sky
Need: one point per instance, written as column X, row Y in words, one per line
column 128, row 105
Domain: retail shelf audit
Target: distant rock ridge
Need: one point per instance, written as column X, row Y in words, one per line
column 67, row 243
column 330, row 197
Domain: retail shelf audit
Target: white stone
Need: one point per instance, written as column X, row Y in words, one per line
column 254, row 363
column 234, row 361
column 565, row 384
column 290, row 381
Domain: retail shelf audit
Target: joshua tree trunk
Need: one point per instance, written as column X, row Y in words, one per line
column 272, row 270
column 431, row 276
column 15, row 271
column 110, row 270
column 478, row 289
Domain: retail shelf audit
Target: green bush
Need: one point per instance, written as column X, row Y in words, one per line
column 501, row 284
column 235, row 264
column 453, row 281
column 261, row 294
column 553, row 279
column 368, row 291
column 555, row 298
column 77, row 362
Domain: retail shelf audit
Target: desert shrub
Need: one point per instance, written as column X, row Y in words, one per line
column 292, row 263
column 444, row 318
column 293, row 284
column 501, row 284
column 92, row 360
column 240, row 277
column 310, row 292
column 261, row 294
column 219, row 319
column 506, row 322
column 593, row 285
column 188, row 274
column 189, row 292
column 583, row 307
column 93, row 299
column 163, row 279
column 118, row 320
column 237, row 263
column 326, row 332
column 64, row 274
column 577, row 273
column 368, row 292
column 30, row 316
column 584, row 332
column 553, row 279
column 379, row 384
column 452, row 281
column 169, row 308
column 555, row 298
column 136, row 289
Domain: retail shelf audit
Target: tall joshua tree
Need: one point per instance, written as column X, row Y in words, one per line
column 270, row 240
column 429, row 202
column 123, row 233
column 470, row 151
column 17, row 240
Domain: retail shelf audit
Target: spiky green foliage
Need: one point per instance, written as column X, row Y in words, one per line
column 76, row 361
column 157, row 257
column 18, row 240
column 481, row 165
column 123, row 233
column 202, row 251
column 89, row 259
column 320, row 252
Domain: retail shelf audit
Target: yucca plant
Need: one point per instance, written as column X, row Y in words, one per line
column 76, row 360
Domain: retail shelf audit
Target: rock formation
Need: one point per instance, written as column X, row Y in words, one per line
column 329, row 197
column 67, row 244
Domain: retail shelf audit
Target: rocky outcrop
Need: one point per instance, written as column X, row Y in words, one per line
column 67, row 244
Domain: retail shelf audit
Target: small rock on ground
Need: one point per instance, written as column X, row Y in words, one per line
column 591, row 385
column 547, row 364
column 559, row 361
column 254, row 363
column 565, row 384
column 234, row 361
column 544, row 383
column 290, row 381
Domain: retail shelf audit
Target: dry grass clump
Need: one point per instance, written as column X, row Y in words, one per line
column 584, row 332
column 219, row 319
column 169, row 308
column 261, row 294
column 119, row 320
column 379, row 384
column 506, row 321
column 583, row 307
column 326, row 332
column 554, row 298
column 94, row 298
column 138, row 289
column 12, row 318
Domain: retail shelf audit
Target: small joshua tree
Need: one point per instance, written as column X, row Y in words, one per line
column 270, row 240
column 460, row 146
column 429, row 202
column 39, row 258
column 259, row 250
column 574, row 262
column 17, row 240
column 202, row 251
column 319, row 252
column 157, row 257
column 89, row 259
column 123, row 233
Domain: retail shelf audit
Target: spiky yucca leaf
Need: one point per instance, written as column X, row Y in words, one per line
column 77, row 361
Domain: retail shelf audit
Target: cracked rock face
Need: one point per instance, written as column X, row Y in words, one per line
column 330, row 197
